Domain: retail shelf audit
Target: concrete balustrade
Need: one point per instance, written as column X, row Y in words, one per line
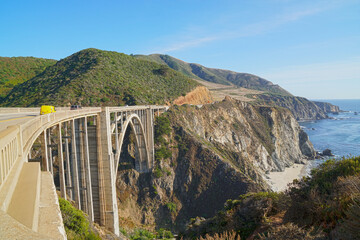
column 88, row 156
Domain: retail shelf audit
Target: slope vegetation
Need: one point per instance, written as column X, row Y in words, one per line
column 94, row 77
column 214, row 75
column 16, row 70
column 324, row 205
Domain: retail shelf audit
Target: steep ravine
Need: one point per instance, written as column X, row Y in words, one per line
column 217, row 152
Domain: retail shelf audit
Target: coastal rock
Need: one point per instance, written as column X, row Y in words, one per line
column 306, row 146
column 301, row 108
column 327, row 152
column 327, row 107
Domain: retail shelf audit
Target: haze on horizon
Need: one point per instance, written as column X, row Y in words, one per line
column 310, row 48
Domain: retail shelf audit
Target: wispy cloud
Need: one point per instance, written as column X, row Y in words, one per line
column 187, row 44
column 189, row 40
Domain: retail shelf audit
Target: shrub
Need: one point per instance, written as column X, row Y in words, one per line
column 164, row 234
column 141, row 234
column 319, row 200
column 158, row 173
column 162, row 153
column 162, row 127
column 75, row 223
column 171, row 207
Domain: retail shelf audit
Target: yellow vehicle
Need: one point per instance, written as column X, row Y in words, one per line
column 45, row 109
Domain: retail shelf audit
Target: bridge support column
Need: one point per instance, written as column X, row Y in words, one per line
column 75, row 169
column 50, row 156
column 61, row 164
column 109, row 215
column 90, row 207
column 150, row 135
column 69, row 186
column 44, row 151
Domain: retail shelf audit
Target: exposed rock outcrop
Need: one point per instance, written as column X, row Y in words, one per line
column 218, row 152
column 327, row 107
column 300, row 107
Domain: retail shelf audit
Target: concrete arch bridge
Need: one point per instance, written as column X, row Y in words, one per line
column 80, row 150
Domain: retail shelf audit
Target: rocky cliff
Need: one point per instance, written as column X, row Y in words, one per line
column 301, row 108
column 327, row 107
column 217, row 152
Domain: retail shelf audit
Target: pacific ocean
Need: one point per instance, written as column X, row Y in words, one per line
column 340, row 133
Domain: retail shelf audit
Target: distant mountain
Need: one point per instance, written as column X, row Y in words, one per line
column 214, row 75
column 16, row 70
column 269, row 93
column 94, row 77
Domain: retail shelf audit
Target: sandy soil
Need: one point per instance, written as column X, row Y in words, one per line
column 279, row 180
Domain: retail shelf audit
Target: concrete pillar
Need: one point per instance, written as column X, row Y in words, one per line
column 61, row 164
column 116, row 134
column 149, row 136
column 79, row 131
column 44, row 151
column 109, row 209
column 69, row 186
column 50, row 156
column 74, row 164
column 94, row 169
column 90, row 208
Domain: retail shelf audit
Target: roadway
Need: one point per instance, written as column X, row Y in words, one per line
column 9, row 119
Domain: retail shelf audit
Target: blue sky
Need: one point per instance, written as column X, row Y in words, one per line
column 311, row 48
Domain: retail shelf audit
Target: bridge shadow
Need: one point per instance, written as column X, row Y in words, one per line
column 128, row 151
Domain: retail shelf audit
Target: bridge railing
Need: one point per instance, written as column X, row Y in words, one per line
column 9, row 150
column 32, row 128
column 17, row 140
column 19, row 110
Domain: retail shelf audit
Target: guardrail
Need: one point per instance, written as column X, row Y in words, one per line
column 17, row 140
column 19, row 110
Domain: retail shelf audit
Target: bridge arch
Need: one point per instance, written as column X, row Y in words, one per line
column 143, row 163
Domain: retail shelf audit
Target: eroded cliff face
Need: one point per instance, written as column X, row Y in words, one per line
column 327, row 107
column 300, row 107
column 218, row 152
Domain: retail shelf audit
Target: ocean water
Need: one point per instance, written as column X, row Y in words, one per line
column 341, row 133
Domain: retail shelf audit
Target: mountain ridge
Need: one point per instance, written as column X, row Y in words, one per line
column 221, row 76
column 93, row 77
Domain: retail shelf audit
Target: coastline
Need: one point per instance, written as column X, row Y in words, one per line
column 278, row 181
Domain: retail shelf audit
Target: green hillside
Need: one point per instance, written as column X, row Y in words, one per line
column 94, row 77
column 214, row 75
column 16, row 70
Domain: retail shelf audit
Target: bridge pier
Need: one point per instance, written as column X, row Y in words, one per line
column 108, row 204
column 61, row 163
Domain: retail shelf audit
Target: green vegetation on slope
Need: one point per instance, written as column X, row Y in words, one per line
column 220, row 76
column 16, row 70
column 76, row 225
column 94, row 77
column 325, row 205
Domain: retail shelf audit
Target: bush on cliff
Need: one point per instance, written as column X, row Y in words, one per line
column 319, row 200
column 75, row 223
column 324, row 205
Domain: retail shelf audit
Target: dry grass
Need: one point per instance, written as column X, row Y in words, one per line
column 222, row 236
column 219, row 91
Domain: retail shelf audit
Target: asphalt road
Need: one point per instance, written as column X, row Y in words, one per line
column 9, row 119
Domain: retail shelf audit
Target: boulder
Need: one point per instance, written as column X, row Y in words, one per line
column 327, row 152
